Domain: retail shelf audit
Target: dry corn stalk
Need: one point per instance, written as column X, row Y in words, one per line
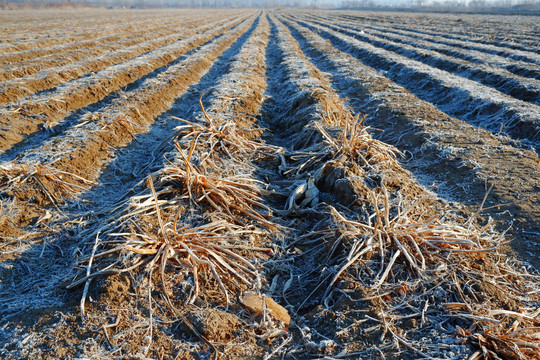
column 226, row 137
column 421, row 244
column 347, row 141
column 356, row 143
column 208, row 248
column 203, row 249
column 55, row 184
column 414, row 239
column 232, row 195
column 506, row 335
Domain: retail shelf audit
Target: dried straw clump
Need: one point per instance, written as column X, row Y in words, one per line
column 505, row 334
column 233, row 195
column 419, row 242
column 55, row 184
column 353, row 140
column 206, row 249
column 510, row 335
column 225, row 137
column 506, row 320
column 409, row 256
column 345, row 140
column 210, row 249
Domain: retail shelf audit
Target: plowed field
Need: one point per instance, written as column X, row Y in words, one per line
column 269, row 184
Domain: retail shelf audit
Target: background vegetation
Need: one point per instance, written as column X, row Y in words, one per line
column 466, row 6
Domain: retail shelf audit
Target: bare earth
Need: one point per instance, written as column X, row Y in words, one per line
column 235, row 184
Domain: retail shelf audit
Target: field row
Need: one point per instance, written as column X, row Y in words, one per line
column 31, row 32
column 479, row 31
column 455, row 94
column 498, row 70
column 451, row 142
column 217, row 158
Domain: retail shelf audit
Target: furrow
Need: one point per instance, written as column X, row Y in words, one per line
column 133, row 163
column 514, row 66
column 448, row 39
column 455, row 158
column 86, row 152
column 45, row 111
column 300, row 96
column 519, row 68
column 37, row 41
column 256, row 190
column 10, row 61
column 456, row 96
column 85, row 148
column 500, row 29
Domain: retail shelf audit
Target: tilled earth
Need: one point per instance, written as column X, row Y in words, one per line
column 269, row 184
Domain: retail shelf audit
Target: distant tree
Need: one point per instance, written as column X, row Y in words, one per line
column 477, row 4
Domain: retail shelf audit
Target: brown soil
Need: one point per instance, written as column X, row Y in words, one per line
column 120, row 123
column 43, row 113
column 83, row 51
column 20, row 88
column 364, row 243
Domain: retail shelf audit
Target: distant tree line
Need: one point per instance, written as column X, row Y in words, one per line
column 452, row 5
column 168, row 3
column 415, row 5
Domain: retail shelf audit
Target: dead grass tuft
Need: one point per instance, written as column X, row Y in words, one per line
column 225, row 137
column 53, row 183
column 345, row 139
column 396, row 231
column 233, row 195
column 353, row 140
column 211, row 249
column 207, row 248
column 404, row 256
column 506, row 335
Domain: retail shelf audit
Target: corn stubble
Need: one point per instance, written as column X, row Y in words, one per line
column 403, row 248
column 54, row 184
column 231, row 195
column 354, row 141
column 230, row 206
column 225, row 137
column 208, row 248
column 398, row 247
